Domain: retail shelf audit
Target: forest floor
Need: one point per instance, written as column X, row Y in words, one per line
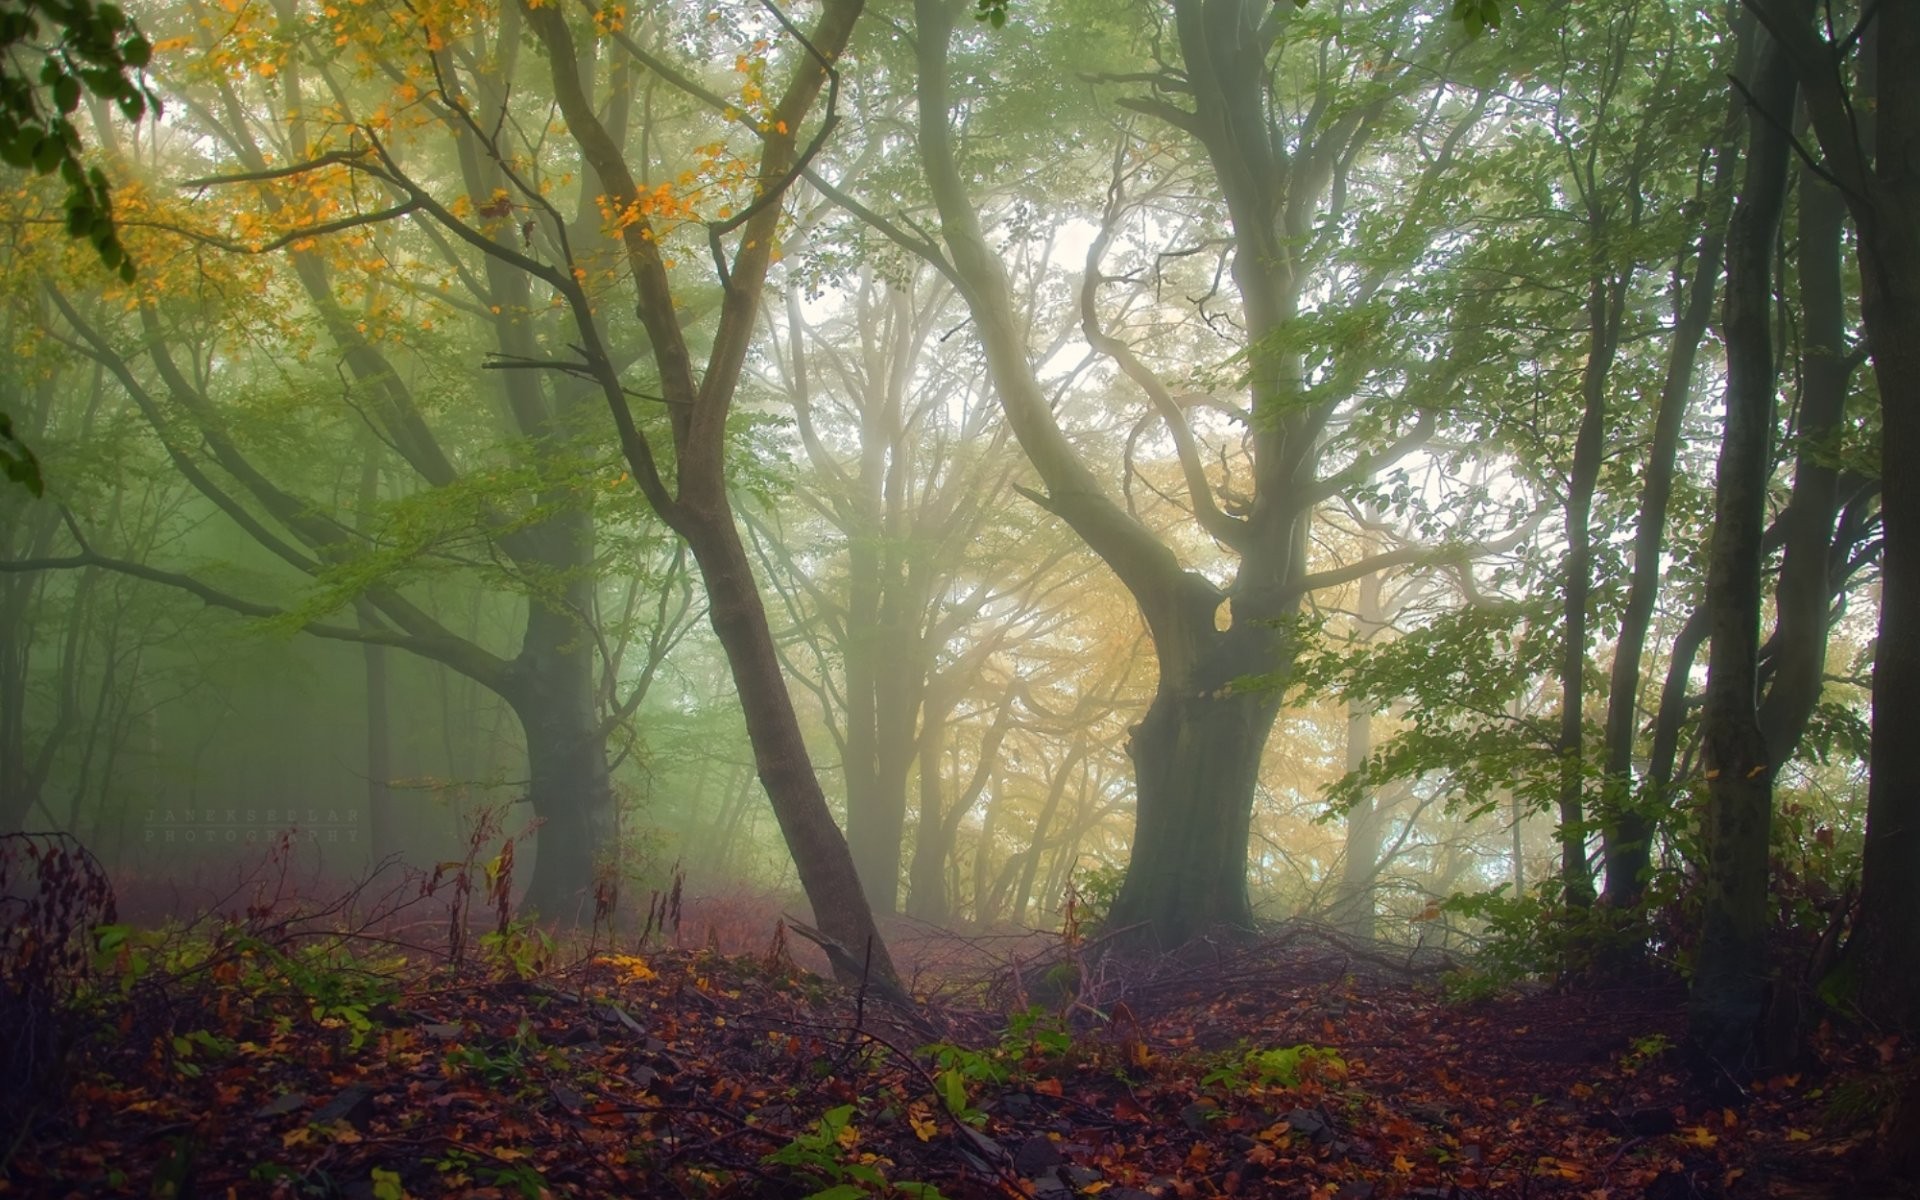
column 1288, row 1066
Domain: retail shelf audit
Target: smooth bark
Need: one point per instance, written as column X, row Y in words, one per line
column 1729, row 986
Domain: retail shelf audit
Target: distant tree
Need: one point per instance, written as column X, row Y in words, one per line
column 1280, row 116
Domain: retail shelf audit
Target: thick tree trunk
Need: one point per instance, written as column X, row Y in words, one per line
column 551, row 691
column 1196, row 758
column 1885, row 950
column 1729, row 987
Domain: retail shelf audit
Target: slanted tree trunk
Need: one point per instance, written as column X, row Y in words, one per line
column 1795, row 658
column 1729, row 988
column 694, row 502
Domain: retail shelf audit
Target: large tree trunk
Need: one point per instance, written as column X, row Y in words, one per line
column 551, row 691
column 1729, row 988
column 1885, row 949
column 1196, row 758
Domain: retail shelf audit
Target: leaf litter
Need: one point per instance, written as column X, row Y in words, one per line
column 1282, row 1066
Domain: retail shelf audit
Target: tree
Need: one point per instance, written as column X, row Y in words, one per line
column 1875, row 163
column 693, row 499
column 1283, row 145
column 1728, row 990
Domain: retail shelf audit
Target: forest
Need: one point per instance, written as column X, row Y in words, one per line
column 959, row 597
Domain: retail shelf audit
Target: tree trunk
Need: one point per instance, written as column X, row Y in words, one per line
column 380, row 834
column 1796, row 655
column 932, row 841
column 820, row 853
column 1030, row 867
column 871, row 836
column 1196, row 758
column 1360, row 866
column 1729, row 987
column 1885, row 950
column 550, row 688
column 1604, row 296
column 1628, row 820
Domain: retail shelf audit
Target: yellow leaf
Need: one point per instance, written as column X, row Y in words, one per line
column 1799, row 1135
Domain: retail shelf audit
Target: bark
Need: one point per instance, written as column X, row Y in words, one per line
column 1196, row 758
column 1604, row 309
column 1878, row 172
column 932, row 843
column 1885, row 948
column 820, row 853
column 1795, row 659
column 380, row 824
column 550, row 686
column 1627, row 830
column 695, row 503
column 373, row 658
column 1729, row 986
column 939, row 831
column 1366, row 824
column 1354, row 909
column 1042, row 824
